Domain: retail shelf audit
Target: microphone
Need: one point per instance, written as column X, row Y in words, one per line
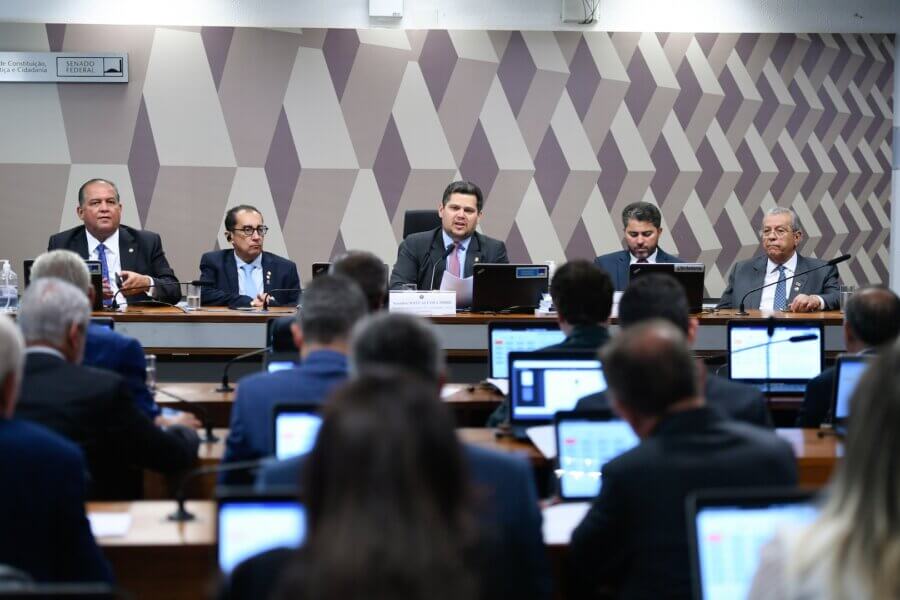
column 443, row 257
column 830, row 263
column 225, row 387
column 265, row 305
column 196, row 409
column 181, row 514
column 195, row 282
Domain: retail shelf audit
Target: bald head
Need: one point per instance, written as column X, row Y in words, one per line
column 872, row 317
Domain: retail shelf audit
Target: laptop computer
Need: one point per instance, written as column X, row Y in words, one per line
column 251, row 523
column 517, row 336
column 585, row 441
column 95, row 271
column 847, row 372
column 689, row 275
column 728, row 528
column 781, row 364
column 544, row 383
column 279, row 361
column 508, row 288
column 295, row 429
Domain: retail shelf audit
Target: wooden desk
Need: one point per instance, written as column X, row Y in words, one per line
column 209, row 454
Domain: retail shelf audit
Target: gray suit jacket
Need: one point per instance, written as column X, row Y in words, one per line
column 419, row 258
column 749, row 274
column 616, row 264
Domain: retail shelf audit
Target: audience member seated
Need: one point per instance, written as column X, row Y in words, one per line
column 871, row 321
column 852, row 550
column 245, row 274
column 368, row 271
column 89, row 406
column 659, row 296
column 43, row 528
column 633, row 540
column 331, row 306
column 505, row 493
column 387, row 501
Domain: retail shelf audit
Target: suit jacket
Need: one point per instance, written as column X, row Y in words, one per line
column 419, row 258
column 817, row 399
column 107, row 349
column 220, row 267
column 616, row 264
column 250, row 436
column 732, row 399
column 749, row 274
column 634, row 537
column 44, row 530
column 507, row 512
column 140, row 251
column 93, row 408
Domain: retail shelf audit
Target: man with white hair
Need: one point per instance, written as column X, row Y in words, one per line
column 780, row 236
column 90, row 406
column 44, row 531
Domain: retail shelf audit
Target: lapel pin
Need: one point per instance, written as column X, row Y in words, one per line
column 131, row 250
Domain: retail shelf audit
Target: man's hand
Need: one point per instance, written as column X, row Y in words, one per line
column 182, row 418
column 134, row 283
column 261, row 298
column 107, row 290
column 805, row 303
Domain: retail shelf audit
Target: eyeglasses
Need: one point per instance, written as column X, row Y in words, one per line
column 778, row 231
column 248, row 231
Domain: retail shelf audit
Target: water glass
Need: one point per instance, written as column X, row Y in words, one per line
column 846, row 292
column 150, row 379
column 193, row 297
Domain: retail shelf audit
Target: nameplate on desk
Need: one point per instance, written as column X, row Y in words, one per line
column 429, row 303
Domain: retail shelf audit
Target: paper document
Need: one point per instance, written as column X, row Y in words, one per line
column 112, row 524
column 501, row 384
column 560, row 520
column 544, row 439
column 451, row 388
column 617, row 296
column 462, row 287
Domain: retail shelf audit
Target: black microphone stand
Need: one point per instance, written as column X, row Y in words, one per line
column 181, row 514
column 194, row 408
column 226, row 387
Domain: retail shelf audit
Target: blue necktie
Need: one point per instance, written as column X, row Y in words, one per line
column 780, row 290
column 104, row 271
column 249, row 284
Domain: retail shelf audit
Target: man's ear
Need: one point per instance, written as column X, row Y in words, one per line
column 79, row 210
column 228, row 236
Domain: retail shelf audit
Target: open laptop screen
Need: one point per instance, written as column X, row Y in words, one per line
column 847, row 372
column 544, row 383
column 794, row 353
column 584, row 444
column 295, row 430
column 250, row 526
column 504, row 338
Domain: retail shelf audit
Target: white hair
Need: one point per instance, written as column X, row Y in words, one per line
column 780, row 210
column 50, row 306
column 12, row 350
column 62, row 264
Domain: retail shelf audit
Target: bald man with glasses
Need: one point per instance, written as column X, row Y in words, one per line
column 245, row 275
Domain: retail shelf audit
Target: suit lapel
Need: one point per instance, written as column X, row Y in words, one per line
column 757, row 279
column 79, row 244
column 230, row 267
column 434, row 268
column 266, row 272
column 473, row 255
column 128, row 251
column 798, row 284
column 624, row 262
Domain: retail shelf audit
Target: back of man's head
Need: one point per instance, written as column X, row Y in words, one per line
column 368, row 271
column 582, row 293
column 62, row 264
column 654, row 296
column 12, row 358
column 329, row 308
column 873, row 315
column 50, row 307
column 398, row 341
column 654, row 347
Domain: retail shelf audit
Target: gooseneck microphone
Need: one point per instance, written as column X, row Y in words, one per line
column 443, row 257
column 226, row 387
column 830, row 263
column 195, row 282
column 181, row 514
column 197, row 410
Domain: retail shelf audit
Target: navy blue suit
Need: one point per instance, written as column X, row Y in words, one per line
column 220, row 267
column 616, row 264
column 509, row 519
column 43, row 529
column 107, row 349
column 250, row 436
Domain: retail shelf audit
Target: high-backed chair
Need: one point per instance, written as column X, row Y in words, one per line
column 415, row 221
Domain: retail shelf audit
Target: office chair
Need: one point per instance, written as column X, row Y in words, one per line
column 415, row 221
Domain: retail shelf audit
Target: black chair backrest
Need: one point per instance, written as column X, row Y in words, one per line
column 415, row 221
column 278, row 335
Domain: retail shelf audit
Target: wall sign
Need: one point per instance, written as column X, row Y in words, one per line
column 64, row 67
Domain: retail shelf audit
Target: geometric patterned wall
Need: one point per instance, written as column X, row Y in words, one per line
column 334, row 133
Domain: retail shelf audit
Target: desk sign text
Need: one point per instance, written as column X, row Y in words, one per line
column 430, row 303
column 64, row 67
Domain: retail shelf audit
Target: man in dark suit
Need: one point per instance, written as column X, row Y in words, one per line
column 44, row 530
column 781, row 235
column 90, row 406
column 455, row 246
column 136, row 256
column 331, row 307
column 245, row 274
column 871, row 322
column 633, row 540
column 507, row 509
column 659, row 296
column 642, row 223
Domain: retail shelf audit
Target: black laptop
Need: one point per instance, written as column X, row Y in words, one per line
column 508, row 288
column 689, row 275
column 517, row 336
column 782, row 363
column 848, row 370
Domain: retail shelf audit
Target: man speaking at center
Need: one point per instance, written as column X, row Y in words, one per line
column 455, row 246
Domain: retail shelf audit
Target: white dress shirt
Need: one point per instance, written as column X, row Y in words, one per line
column 650, row 259
column 256, row 275
column 767, row 300
column 113, row 261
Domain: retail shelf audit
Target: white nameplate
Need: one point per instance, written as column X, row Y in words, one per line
column 64, row 67
column 429, row 303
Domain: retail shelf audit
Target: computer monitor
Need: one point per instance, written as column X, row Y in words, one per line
column 280, row 361
column 94, row 269
column 517, row 336
column 585, row 442
column 508, row 288
column 727, row 530
column 544, row 383
column 847, row 372
column 295, row 429
column 251, row 524
column 782, row 362
column 689, row 275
